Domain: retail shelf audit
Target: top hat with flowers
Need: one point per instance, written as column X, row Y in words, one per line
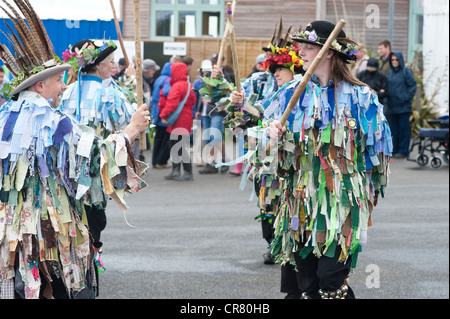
column 86, row 54
column 30, row 57
column 317, row 33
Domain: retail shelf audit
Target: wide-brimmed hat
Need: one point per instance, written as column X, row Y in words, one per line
column 32, row 57
column 317, row 33
column 41, row 76
column 86, row 54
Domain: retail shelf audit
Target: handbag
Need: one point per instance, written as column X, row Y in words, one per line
column 172, row 118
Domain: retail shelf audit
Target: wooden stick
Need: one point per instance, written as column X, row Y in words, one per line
column 119, row 34
column 301, row 87
column 139, row 79
column 233, row 48
column 224, row 39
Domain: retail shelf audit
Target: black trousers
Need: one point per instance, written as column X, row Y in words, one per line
column 291, row 280
column 180, row 153
column 323, row 273
column 97, row 222
column 161, row 146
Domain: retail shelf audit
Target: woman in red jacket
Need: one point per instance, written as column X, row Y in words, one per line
column 180, row 131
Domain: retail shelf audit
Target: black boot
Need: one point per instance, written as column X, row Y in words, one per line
column 209, row 169
column 187, row 176
column 175, row 172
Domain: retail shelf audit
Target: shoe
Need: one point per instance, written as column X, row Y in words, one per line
column 224, row 169
column 209, row 169
column 237, row 170
column 268, row 259
column 200, row 164
column 163, row 165
column 174, row 174
column 185, row 177
column 142, row 158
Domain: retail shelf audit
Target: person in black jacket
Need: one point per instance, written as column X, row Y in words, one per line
column 402, row 88
column 376, row 80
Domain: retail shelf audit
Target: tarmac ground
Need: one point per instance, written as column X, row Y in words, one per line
column 199, row 240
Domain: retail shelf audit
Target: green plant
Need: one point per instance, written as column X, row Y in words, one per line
column 424, row 109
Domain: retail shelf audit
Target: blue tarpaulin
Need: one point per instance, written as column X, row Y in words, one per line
column 63, row 33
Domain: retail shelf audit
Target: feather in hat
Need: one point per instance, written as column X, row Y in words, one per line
column 30, row 50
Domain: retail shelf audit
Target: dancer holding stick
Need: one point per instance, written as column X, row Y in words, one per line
column 332, row 161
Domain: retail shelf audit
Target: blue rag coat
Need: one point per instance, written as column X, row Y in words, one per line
column 401, row 87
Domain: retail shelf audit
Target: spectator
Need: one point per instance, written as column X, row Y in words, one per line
column 180, row 131
column 200, row 107
column 121, row 67
column 149, row 68
column 384, row 50
column 376, row 80
column 213, row 126
column 161, row 150
column 227, row 70
column 258, row 64
column 188, row 61
column 361, row 60
column 402, row 88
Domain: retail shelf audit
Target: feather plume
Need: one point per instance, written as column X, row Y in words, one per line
column 35, row 27
column 30, row 44
column 33, row 31
column 23, row 32
column 42, row 29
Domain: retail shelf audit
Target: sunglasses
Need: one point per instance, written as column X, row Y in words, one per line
column 394, row 59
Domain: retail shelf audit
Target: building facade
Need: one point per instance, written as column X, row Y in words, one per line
column 367, row 22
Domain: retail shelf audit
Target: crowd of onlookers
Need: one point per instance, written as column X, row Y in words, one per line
column 387, row 75
column 395, row 85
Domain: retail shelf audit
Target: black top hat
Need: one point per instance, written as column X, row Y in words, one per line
column 317, row 33
column 99, row 50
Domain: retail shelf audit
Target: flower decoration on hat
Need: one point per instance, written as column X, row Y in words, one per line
column 88, row 54
column 349, row 48
column 287, row 57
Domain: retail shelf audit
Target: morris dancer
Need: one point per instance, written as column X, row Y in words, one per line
column 334, row 165
column 50, row 168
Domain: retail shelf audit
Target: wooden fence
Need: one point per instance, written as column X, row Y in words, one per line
column 203, row 48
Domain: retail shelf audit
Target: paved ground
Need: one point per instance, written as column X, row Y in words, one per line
column 199, row 240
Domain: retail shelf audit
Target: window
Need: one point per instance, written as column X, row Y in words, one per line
column 164, row 23
column 190, row 18
column 210, row 24
column 186, row 23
